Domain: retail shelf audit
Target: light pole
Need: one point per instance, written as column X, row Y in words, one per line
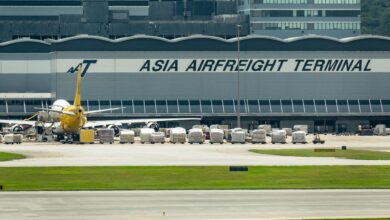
column 238, row 78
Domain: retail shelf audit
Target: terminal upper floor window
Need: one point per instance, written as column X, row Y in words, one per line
column 305, row 13
column 337, row 26
column 16, row 3
column 280, row 1
column 345, row 2
column 305, row 26
column 336, row 1
column 280, row 26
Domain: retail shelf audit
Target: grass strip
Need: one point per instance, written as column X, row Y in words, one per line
column 355, row 219
column 205, row 177
column 345, row 154
column 10, row 156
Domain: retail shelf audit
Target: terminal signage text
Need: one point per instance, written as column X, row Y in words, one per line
column 76, row 68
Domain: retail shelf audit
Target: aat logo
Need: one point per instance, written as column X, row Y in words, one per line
column 76, row 68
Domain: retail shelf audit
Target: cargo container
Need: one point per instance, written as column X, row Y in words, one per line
column 145, row 135
column 106, row 135
column 216, row 136
column 299, row 137
column 238, row 136
column 278, row 136
column 87, row 136
column 126, row 136
column 196, row 135
column 178, row 135
column 157, row 137
column 9, row 139
column 18, row 138
column 259, row 136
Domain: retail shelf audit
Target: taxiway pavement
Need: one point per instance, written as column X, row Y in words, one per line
column 55, row 154
column 224, row 204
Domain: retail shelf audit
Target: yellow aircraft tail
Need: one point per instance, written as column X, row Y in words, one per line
column 77, row 97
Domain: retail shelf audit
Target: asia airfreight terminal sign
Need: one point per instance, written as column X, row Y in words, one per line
column 231, row 65
column 256, row 65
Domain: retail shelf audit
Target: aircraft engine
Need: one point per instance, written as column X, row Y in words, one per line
column 115, row 128
column 153, row 125
column 43, row 116
column 17, row 128
column 58, row 105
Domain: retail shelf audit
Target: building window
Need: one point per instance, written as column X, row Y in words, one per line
column 294, row 2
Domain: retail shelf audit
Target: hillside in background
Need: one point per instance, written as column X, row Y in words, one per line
column 376, row 17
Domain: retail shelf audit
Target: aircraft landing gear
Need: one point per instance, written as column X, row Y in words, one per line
column 60, row 137
column 67, row 140
column 70, row 138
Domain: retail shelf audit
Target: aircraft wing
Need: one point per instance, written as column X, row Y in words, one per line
column 135, row 121
column 19, row 122
column 23, row 122
column 102, row 110
column 57, row 111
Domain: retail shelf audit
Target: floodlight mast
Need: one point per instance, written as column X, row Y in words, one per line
column 238, row 78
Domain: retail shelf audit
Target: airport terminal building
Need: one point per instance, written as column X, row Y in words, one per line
column 330, row 84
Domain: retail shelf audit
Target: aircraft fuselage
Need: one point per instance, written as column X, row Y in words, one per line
column 73, row 123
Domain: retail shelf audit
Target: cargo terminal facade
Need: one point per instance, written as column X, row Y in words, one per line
column 331, row 85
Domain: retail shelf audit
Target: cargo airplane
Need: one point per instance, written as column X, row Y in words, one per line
column 72, row 118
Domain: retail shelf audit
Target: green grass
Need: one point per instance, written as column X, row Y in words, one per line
column 347, row 154
column 180, row 178
column 10, row 156
column 355, row 219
